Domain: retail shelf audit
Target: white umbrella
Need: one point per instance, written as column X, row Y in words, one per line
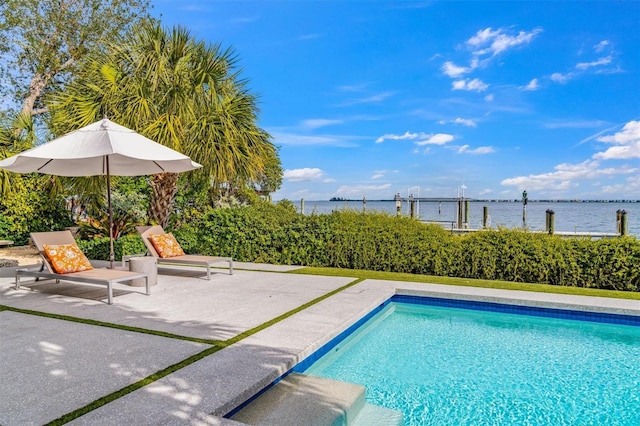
column 101, row 148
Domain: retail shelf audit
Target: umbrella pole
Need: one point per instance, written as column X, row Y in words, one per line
column 110, row 213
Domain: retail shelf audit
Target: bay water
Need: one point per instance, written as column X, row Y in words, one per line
column 578, row 217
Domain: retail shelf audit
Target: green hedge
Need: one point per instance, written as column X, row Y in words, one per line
column 27, row 209
column 98, row 248
column 381, row 242
column 277, row 234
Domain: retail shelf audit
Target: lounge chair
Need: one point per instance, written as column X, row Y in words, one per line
column 92, row 276
column 184, row 259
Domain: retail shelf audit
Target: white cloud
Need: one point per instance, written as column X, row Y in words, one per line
column 293, row 139
column 614, row 189
column 458, row 85
column 631, row 185
column 407, row 136
column 420, row 139
column 565, row 175
column 602, row 65
column 627, row 143
column 488, row 43
column 481, row 150
column 465, row 122
column 458, row 120
column 629, row 133
column 594, row 136
column 302, row 175
column 370, row 99
column 437, row 139
column 315, row 123
column 574, row 124
column 601, row 46
column 533, row 85
column 475, row 85
column 559, row 78
column 303, row 193
column 489, row 97
column 482, row 37
column 361, row 190
column 308, row 36
column 453, row 71
column 498, row 41
column 378, row 174
column 602, row 61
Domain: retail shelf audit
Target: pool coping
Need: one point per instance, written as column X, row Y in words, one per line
column 390, row 289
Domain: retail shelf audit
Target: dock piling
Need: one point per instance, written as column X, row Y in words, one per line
column 525, row 200
column 485, row 216
column 412, row 206
column 466, row 214
column 550, row 222
column 622, row 222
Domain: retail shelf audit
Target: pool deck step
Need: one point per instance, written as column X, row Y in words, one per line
column 299, row 399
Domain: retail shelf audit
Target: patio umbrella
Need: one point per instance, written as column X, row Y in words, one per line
column 102, row 148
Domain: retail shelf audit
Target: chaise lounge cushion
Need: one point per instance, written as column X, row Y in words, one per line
column 166, row 245
column 66, row 258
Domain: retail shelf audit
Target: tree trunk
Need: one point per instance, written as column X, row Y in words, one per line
column 36, row 88
column 38, row 84
column 164, row 187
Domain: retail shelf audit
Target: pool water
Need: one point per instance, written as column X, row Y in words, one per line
column 449, row 366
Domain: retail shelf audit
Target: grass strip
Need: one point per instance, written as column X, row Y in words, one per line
column 359, row 275
column 132, row 387
column 175, row 367
column 277, row 319
column 467, row 282
column 111, row 325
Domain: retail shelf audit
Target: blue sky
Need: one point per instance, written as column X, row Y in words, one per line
column 372, row 98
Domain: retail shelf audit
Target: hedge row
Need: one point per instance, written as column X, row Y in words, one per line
column 98, row 248
column 381, row 242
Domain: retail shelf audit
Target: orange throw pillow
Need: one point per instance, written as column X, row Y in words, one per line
column 67, row 258
column 166, row 245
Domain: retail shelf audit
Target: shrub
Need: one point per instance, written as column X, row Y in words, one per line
column 98, row 248
column 27, row 209
column 382, row 242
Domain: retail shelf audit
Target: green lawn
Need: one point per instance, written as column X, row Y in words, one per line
column 503, row 285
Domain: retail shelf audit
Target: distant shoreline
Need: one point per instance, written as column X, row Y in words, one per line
column 481, row 200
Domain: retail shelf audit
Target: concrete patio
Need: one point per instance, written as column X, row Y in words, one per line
column 52, row 366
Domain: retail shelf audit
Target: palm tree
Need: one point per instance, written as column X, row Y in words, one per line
column 183, row 93
column 16, row 135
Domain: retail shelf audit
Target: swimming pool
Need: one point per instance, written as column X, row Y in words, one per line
column 443, row 365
